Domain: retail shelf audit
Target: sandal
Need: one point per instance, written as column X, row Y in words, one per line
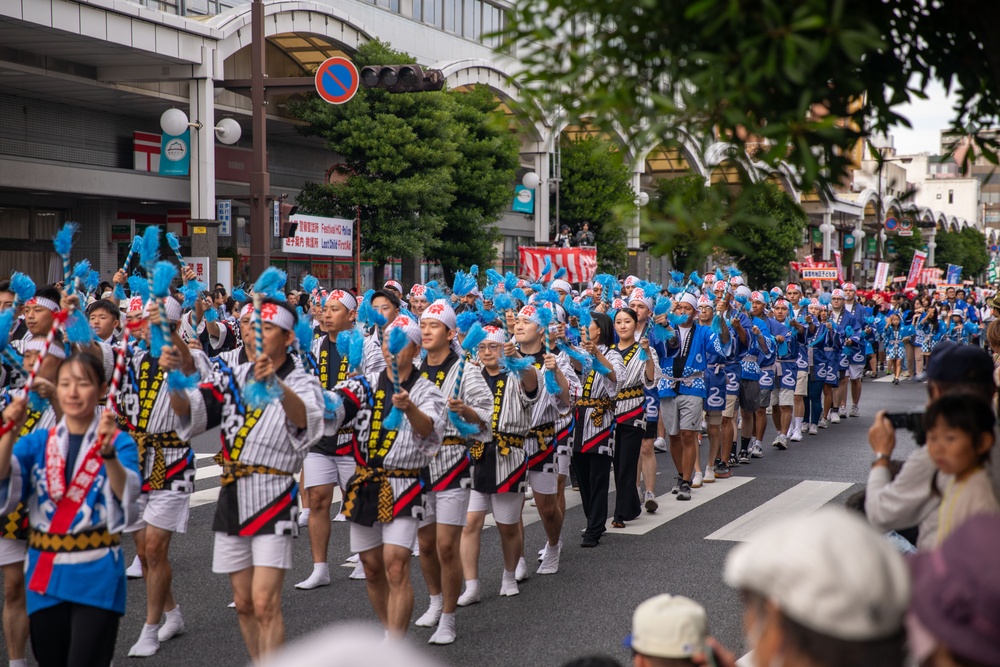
column 617, row 524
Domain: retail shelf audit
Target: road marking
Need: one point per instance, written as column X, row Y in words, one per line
column 207, row 472
column 204, row 497
column 671, row 508
column 803, row 498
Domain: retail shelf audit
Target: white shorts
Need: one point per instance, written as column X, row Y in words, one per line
column 782, row 396
column 15, row 551
column 545, row 483
column 506, row 507
column 234, row 553
column 400, row 532
column 856, row 371
column 802, row 383
column 681, row 413
column 166, row 510
column 320, row 469
column 448, row 507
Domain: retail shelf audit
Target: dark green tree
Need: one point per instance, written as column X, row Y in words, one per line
column 398, row 154
column 905, row 247
column 596, row 188
column 769, row 224
column 483, row 182
column 798, row 82
column 687, row 221
column 965, row 248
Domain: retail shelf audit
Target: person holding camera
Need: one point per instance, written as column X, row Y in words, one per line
column 913, row 497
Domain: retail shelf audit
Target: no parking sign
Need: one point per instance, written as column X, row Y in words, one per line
column 337, row 80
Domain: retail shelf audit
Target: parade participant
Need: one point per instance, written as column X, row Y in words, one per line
column 783, row 395
column 39, row 314
column 562, row 288
column 642, row 306
column 803, row 363
column 759, row 345
column 499, row 468
column 841, row 318
column 738, row 324
column 417, row 299
column 262, row 448
column 104, row 319
column 715, row 384
column 384, row 500
column 630, row 413
column 893, row 338
column 167, row 465
column 930, row 328
column 808, row 337
column 448, row 478
column 854, row 350
column 551, row 418
column 330, row 461
column 826, row 360
column 593, row 439
column 386, row 304
column 793, row 294
column 14, row 538
column 394, row 288
column 682, row 390
column 80, row 482
column 768, row 369
column 628, row 285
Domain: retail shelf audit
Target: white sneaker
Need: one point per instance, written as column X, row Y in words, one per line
column 813, row 430
column 550, row 560
column 697, row 480
column 358, row 572
column 134, row 570
column 855, row 411
column 660, row 445
column 756, row 451
column 842, row 411
column 521, row 571
column 834, row 417
column 172, row 626
column 780, row 442
column 823, row 423
column 709, row 475
column 304, row 518
column 796, row 435
column 339, row 517
column 649, row 502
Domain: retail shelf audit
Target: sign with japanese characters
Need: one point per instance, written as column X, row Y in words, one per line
column 332, row 237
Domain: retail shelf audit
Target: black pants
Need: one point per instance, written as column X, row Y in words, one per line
column 73, row 635
column 628, row 444
column 593, row 471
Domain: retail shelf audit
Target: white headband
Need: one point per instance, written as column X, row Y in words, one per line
column 345, row 298
column 441, row 311
column 43, row 302
column 278, row 316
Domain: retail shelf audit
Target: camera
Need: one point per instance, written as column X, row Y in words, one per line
column 912, row 422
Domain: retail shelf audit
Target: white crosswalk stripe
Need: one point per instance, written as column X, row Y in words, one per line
column 670, row 508
column 803, row 498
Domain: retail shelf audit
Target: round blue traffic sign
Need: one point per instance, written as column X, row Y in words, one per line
column 891, row 223
column 337, row 80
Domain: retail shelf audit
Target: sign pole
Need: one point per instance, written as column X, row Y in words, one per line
column 260, row 179
column 357, row 250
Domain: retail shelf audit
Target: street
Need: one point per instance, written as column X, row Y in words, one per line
column 584, row 609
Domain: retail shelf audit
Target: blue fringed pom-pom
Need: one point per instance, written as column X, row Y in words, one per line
column 464, row 283
column 518, row 293
column 643, row 355
column 332, row 403
column 515, row 364
column 561, row 273
column 393, row 419
column 676, row 319
column 547, row 267
column 494, row 277
column 239, row 295
column 6, row 323
column 474, row 337
column 258, row 395
column 397, row 340
column 270, row 283
column 36, row 403
column 310, row 284
column 465, row 320
column 139, row 287
column 78, row 330
column 211, row 315
column 163, row 274
column 463, row 427
column 173, row 241
column 178, row 382
column 156, row 341
column 604, row 370
column 63, row 240
column 149, row 253
column 551, row 384
column 22, row 286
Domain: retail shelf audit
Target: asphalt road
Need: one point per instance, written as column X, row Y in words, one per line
column 584, row 609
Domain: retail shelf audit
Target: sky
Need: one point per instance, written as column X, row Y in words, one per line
column 927, row 117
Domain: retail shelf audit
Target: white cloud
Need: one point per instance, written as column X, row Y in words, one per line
column 928, row 117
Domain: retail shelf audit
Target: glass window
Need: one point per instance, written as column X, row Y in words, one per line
column 432, row 12
column 489, row 22
column 452, row 15
column 473, row 19
column 418, row 10
column 14, row 222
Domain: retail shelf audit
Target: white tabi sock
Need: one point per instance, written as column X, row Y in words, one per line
column 320, row 577
column 148, row 643
column 521, row 572
column 172, row 626
column 433, row 613
column 471, row 594
column 445, row 633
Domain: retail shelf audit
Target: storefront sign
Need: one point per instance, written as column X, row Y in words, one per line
column 332, row 237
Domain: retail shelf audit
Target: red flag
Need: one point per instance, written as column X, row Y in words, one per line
column 580, row 263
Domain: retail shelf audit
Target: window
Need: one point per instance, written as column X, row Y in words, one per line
column 453, row 15
column 473, row 20
column 432, row 12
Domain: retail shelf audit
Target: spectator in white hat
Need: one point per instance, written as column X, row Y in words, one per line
column 822, row 590
column 669, row 631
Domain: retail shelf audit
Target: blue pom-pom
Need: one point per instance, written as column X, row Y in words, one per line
column 509, row 281
column 163, row 275
column 561, row 273
column 474, row 337
column 63, row 240
column 474, row 270
column 734, row 272
column 518, row 293
column 178, row 382
column 544, row 316
column 465, row 320
column 464, row 428
column 92, row 281
column 547, row 267
column 310, row 284
column 676, row 319
column 332, row 403
column 239, row 295
column 824, row 299
column 303, row 331
column 368, row 316
column 191, row 291
column 586, row 363
column 149, row 253
column 36, row 403
column 258, row 395
column 551, row 384
column 493, row 277
column 78, row 330
column 81, row 270
column 22, row 286
column 211, row 315
column 677, row 276
column 173, row 241
column 270, row 283
column 662, row 306
column 604, row 370
column 393, row 420
column 156, row 341
column 6, row 323
column 695, row 279
column 719, row 275
column 397, row 340
column 351, row 344
column 139, row 287
column 515, row 364
column 464, row 283
column 548, row 296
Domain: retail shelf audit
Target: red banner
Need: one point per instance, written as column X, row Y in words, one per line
column 580, row 263
column 916, row 266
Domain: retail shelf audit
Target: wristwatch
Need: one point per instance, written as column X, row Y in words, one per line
column 880, row 456
column 112, row 455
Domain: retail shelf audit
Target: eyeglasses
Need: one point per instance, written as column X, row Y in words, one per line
column 491, row 347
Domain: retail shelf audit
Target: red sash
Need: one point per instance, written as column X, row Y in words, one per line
column 66, row 511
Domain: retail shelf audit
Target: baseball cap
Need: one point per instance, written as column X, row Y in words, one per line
column 829, row 571
column 668, row 626
column 953, row 362
column 956, row 590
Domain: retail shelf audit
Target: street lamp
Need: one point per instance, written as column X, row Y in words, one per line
column 530, row 180
column 641, row 199
column 174, row 122
column 859, row 235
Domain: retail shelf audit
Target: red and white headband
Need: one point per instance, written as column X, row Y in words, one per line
column 43, row 302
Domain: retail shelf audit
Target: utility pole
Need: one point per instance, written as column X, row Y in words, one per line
column 260, row 179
